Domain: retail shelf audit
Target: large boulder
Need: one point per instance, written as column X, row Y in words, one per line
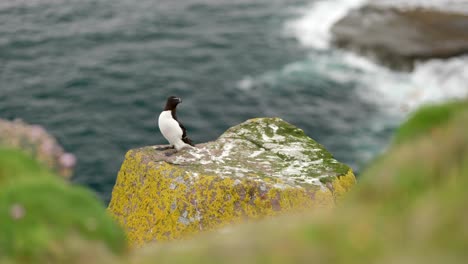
column 259, row 168
column 399, row 36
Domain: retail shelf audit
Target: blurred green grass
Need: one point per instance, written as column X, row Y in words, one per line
column 428, row 117
column 41, row 213
column 16, row 166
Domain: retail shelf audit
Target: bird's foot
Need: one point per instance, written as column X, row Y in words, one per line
column 168, row 154
column 165, row 148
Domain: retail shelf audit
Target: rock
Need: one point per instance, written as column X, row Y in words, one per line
column 259, row 168
column 36, row 141
column 398, row 37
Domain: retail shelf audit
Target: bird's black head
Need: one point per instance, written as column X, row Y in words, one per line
column 172, row 103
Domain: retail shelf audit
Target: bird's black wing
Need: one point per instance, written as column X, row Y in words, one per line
column 184, row 135
column 184, row 130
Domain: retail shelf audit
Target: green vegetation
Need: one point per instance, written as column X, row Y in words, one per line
column 44, row 219
column 38, row 143
column 16, row 166
column 428, row 118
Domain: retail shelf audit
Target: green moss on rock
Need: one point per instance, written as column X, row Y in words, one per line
column 259, row 168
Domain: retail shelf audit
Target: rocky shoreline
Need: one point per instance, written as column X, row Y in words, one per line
column 399, row 36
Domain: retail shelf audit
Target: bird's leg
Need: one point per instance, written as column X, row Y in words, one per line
column 170, row 153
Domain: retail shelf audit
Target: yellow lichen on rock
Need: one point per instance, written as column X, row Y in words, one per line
column 159, row 198
column 161, row 202
column 343, row 184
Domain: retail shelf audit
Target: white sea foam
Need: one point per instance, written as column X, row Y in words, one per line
column 312, row 29
column 245, row 84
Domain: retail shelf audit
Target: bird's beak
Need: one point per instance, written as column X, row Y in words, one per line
column 180, row 100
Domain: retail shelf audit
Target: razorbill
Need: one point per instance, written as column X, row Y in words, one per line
column 171, row 128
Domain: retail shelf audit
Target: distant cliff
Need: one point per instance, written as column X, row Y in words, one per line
column 398, row 35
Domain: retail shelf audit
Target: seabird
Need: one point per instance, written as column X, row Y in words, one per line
column 170, row 126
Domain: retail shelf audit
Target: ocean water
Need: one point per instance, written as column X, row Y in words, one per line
column 96, row 74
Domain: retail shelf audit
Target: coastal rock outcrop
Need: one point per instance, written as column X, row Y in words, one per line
column 398, row 36
column 259, row 168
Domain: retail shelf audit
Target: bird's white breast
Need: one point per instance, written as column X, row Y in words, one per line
column 171, row 130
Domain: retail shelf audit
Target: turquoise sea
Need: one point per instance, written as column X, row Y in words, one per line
column 96, row 74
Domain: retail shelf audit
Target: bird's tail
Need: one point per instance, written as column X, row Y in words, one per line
column 188, row 141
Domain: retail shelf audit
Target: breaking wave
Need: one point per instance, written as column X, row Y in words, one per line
column 431, row 81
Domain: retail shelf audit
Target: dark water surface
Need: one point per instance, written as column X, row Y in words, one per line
column 96, row 74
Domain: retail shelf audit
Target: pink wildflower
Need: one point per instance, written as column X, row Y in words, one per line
column 17, row 211
column 68, row 160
